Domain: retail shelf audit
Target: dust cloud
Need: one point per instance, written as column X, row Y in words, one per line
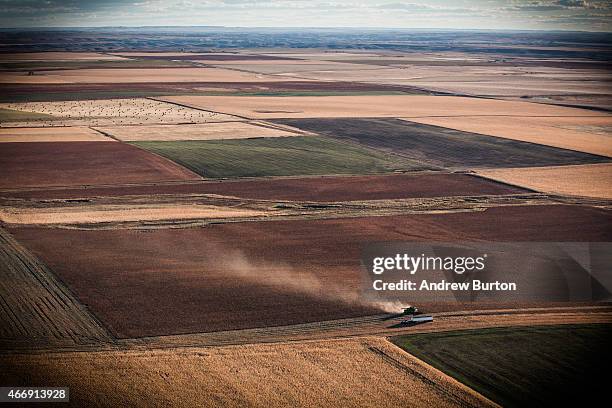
column 287, row 278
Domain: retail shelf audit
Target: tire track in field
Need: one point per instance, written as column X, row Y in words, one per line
column 379, row 325
column 36, row 309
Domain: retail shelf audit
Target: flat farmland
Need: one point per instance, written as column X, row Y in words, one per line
column 209, row 131
column 59, row 56
column 93, row 214
column 318, row 189
column 440, row 146
column 83, row 163
column 583, row 134
column 104, row 112
column 257, row 274
column 286, row 67
column 77, row 92
column 371, row 106
column 516, row 367
column 205, row 56
column 51, row 134
column 16, row 115
column 589, row 180
column 364, row 371
column 120, row 76
column 280, row 156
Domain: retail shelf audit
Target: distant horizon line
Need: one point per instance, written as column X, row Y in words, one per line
column 293, row 28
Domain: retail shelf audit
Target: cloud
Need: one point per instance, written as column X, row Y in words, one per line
column 405, row 6
column 511, row 14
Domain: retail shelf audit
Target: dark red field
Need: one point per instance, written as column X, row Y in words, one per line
column 171, row 281
column 318, row 189
column 183, row 87
column 83, row 163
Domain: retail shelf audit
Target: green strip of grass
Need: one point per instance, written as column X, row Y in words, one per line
column 282, row 156
column 10, row 115
column 526, row 366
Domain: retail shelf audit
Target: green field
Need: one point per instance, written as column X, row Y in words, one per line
column 517, row 367
column 279, row 156
column 10, row 115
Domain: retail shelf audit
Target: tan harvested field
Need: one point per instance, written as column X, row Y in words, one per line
column 136, row 54
column 372, row 106
column 364, row 371
column 589, row 180
column 24, row 78
column 59, row 56
column 51, row 134
column 209, row 131
column 318, row 54
column 120, row 213
column 517, row 87
column 119, row 76
column 366, row 73
column 287, row 67
column 583, row 134
column 108, row 112
column 468, row 76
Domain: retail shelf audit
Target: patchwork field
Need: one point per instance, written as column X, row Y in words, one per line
column 352, row 372
column 286, row 156
column 15, row 115
column 583, row 134
column 553, row 365
column 37, row 309
column 160, row 202
column 590, row 180
column 83, row 163
column 241, row 275
column 105, row 112
column 58, row 56
column 209, row 131
column 120, row 213
column 318, row 189
column 296, row 67
column 118, row 75
column 438, row 146
column 408, row 106
column 51, row 134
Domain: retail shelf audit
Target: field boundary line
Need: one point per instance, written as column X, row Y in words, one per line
column 184, row 105
column 48, row 312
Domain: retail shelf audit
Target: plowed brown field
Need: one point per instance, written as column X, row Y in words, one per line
column 83, row 163
column 321, row 189
column 255, row 274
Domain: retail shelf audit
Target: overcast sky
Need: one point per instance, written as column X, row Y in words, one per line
column 591, row 15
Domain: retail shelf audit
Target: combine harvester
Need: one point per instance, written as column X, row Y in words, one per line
column 414, row 317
